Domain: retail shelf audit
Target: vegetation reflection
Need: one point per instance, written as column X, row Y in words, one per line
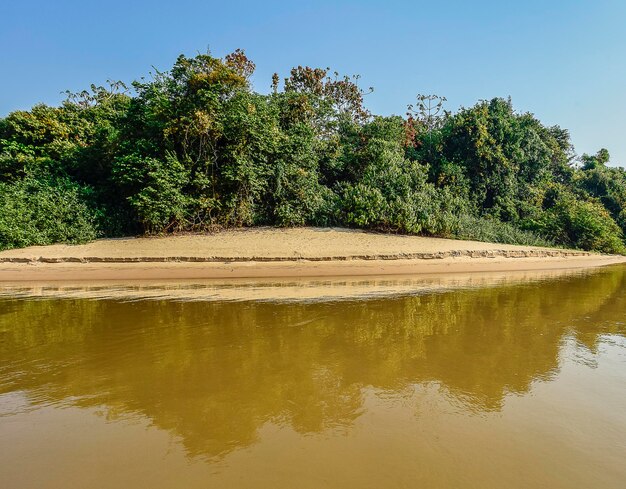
column 214, row 373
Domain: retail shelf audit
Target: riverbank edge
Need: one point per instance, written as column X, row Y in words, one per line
column 497, row 253
column 68, row 271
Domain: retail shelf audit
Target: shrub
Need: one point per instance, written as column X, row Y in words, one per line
column 35, row 212
column 493, row 231
column 581, row 224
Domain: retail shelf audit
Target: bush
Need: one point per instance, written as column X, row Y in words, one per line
column 492, row 231
column 581, row 224
column 160, row 204
column 34, row 212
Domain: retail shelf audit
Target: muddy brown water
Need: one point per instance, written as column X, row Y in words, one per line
column 520, row 385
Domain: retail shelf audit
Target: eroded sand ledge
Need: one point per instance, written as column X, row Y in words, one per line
column 269, row 252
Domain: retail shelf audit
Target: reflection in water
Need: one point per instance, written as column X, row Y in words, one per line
column 277, row 290
column 218, row 375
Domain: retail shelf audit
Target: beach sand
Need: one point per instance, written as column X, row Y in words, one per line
column 270, row 252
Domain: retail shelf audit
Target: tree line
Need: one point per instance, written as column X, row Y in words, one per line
column 195, row 148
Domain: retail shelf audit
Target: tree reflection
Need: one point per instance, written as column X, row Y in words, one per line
column 214, row 373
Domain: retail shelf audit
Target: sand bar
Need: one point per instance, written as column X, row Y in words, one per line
column 270, row 252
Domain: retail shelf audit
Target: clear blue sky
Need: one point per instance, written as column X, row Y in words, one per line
column 563, row 60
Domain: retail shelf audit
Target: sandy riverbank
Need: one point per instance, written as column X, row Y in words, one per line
column 268, row 252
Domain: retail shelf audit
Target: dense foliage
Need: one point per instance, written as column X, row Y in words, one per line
column 195, row 148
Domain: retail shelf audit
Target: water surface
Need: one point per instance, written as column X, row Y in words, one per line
column 514, row 385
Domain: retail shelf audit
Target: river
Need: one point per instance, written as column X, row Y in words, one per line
column 502, row 385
